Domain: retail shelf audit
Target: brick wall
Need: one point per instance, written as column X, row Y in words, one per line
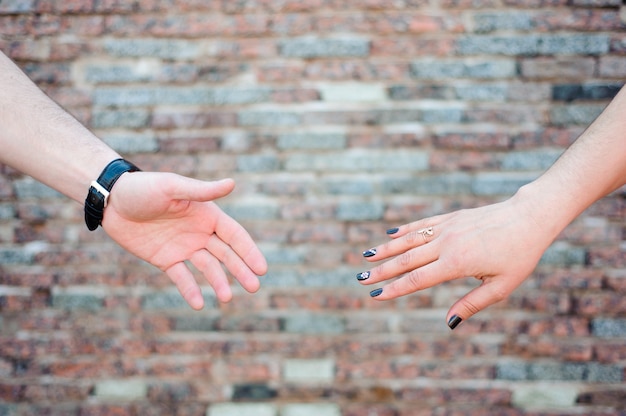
column 338, row 119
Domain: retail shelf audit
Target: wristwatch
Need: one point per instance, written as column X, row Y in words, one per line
column 100, row 189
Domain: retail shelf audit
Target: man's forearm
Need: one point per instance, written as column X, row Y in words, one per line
column 42, row 140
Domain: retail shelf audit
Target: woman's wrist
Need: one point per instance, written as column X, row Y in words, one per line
column 545, row 209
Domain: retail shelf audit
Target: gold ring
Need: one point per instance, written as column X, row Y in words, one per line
column 426, row 232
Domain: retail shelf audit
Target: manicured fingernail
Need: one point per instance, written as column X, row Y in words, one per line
column 376, row 292
column 392, row 230
column 454, row 321
column 363, row 276
column 369, row 253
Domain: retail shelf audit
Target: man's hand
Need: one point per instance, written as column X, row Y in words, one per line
column 167, row 219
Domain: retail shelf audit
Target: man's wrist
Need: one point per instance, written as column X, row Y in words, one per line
column 99, row 190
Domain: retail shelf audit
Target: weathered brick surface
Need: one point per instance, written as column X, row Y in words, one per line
column 338, row 119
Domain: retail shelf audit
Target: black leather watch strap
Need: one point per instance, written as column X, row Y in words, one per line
column 99, row 190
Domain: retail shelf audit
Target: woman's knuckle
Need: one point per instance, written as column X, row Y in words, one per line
column 414, row 278
column 410, row 238
column 405, row 259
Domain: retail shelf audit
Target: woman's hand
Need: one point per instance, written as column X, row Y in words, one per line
column 167, row 219
column 499, row 244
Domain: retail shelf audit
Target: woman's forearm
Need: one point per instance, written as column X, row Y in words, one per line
column 42, row 140
column 593, row 167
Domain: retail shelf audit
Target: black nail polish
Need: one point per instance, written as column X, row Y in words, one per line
column 454, row 321
column 376, row 292
column 369, row 253
column 363, row 276
column 392, row 230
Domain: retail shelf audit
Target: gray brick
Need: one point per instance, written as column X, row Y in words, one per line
column 15, row 255
column 121, row 389
column 556, row 371
column 494, row 21
column 7, row 409
column 442, row 115
column 129, row 143
column 578, row 44
column 328, row 278
column 77, row 301
column 491, row 183
column 314, row 324
column 103, row 119
column 29, row 188
column 549, row 44
column 283, row 278
column 131, row 97
column 360, row 211
column 591, row 372
column 604, row 373
column 253, row 392
column 119, row 73
column 362, row 117
column 310, row 47
column 607, row 327
column 311, row 409
column 268, row 118
column 541, row 396
column 359, row 160
column 348, row 186
column 7, row 211
column 563, row 254
column 352, row 92
column 158, row 48
column 257, row 163
column 453, row 183
column 498, row 45
column 309, row 370
column 512, row 370
column 17, row 6
column 125, row 97
column 482, row 92
column 463, row 68
column 195, row 323
column 284, row 255
column 311, row 141
column 532, row 160
column 233, row 96
column 581, row 114
column 571, row 92
column 242, row 409
column 173, row 300
column 252, row 210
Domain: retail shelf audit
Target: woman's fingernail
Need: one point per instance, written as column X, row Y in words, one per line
column 369, row 253
column 376, row 292
column 454, row 321
column 363, row 276
column 392, row 230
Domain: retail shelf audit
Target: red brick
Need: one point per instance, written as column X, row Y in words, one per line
column 393, row 358
column 603, row 304
column 412, row 46
column 55, row 392
column 567, row 326
column 579, row 20
column 467, row 160
column 576, row 350
column 609, row 352
column 607, row 256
